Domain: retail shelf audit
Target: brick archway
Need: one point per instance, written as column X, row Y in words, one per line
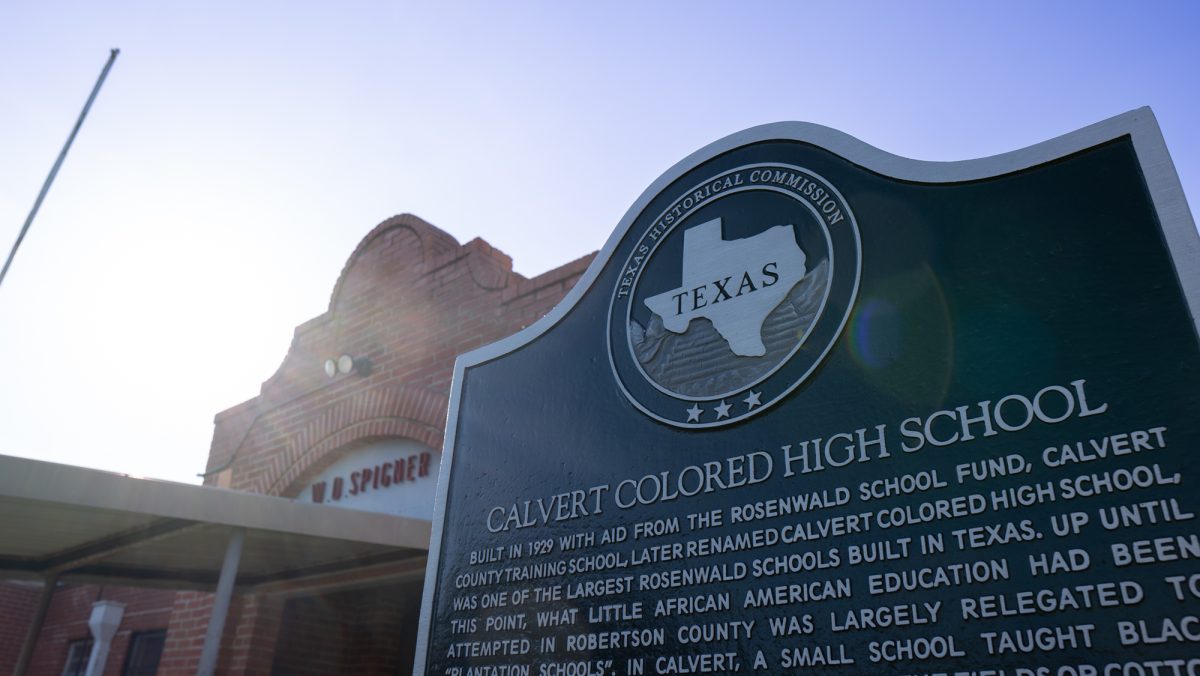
column 380, row 413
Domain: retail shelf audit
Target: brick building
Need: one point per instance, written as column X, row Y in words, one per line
column 352, row 418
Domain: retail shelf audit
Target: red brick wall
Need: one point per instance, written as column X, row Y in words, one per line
column 17, row 605
column 410, row 299
column 66, row 621
column 185, row 633
column 254, row 637
column 188, row 625
column 145, row 610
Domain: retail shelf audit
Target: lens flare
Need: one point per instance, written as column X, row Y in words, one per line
column 902, row 337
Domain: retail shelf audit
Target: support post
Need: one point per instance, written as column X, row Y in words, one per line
column 35, row 625
column 220, row 609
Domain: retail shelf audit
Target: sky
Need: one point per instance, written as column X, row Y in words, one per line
column 239, row 151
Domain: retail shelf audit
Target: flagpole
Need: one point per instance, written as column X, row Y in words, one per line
column 58, row 163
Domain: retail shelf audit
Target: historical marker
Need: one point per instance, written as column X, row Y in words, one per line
column 817, row 408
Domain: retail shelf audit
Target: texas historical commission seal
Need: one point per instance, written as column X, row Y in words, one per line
column 733, row 294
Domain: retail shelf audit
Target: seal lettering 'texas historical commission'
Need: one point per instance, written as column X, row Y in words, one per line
column 734, row 294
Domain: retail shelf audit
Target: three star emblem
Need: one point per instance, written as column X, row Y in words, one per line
column 722, row 410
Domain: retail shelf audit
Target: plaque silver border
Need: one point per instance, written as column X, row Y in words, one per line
column 1166, row 193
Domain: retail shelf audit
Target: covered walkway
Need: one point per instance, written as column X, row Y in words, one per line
column 66, row 524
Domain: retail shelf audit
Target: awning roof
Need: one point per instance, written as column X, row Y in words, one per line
column 92, row 526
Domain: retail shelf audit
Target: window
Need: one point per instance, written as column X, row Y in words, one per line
column 145, row 648
column 77, row 657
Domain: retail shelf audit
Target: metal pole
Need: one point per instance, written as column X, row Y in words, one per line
column 35, row 625
column 58, row 163
column 216, row 622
